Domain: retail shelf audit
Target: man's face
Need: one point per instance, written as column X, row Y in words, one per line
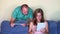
column 25, row 10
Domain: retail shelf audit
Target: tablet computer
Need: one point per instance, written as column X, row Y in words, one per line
column 40, row 26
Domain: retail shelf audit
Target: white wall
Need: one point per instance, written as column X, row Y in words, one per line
column 51, row 8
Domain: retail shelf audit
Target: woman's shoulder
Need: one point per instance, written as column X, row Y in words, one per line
column 31, row 23
column 45, row 22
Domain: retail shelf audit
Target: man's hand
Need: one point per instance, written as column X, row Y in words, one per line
column 23, row 25
column 12, row 24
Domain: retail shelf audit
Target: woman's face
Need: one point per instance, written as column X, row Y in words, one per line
column 25, row 10
column 39, row 16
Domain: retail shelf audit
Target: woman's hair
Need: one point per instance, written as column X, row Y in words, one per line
column 35, row 14
column 24, row 5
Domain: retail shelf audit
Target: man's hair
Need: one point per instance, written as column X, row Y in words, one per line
column 24, row 5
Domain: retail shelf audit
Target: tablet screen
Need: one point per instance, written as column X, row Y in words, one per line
column 40, row 26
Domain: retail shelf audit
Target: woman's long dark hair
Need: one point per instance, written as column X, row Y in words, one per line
column 35, row 14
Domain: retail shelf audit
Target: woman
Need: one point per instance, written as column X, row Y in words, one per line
column 38, row 17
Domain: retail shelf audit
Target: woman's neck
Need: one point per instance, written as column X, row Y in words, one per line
column 38, row 21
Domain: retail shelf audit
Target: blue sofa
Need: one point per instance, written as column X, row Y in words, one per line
column 53, row 26
column 7, row 29
column 0, row 29
column 58, row 27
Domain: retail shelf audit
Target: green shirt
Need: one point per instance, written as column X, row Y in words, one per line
column 18, row 15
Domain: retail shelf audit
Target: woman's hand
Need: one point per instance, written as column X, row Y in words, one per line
column 42, row 30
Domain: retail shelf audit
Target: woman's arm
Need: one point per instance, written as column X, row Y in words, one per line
column 46, row 27
column 30, row 28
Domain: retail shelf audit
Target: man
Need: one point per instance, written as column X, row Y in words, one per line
column 19, row 16
column 21, row 13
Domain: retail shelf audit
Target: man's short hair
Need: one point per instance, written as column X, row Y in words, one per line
column 24, row 5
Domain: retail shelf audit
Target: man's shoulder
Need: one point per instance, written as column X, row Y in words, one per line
column 16, row 10
column 18, row 7
column 30, row 8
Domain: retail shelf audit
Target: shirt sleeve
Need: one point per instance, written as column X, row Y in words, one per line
column 14, row 14
column 30, row 13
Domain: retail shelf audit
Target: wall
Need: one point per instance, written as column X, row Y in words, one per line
column 51, row 8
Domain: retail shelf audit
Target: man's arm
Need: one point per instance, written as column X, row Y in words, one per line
column 12, row 22
column 30, row 13
column 13, row 17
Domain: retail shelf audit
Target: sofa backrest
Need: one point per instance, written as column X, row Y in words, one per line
column 52, row 26
column 58, row 27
